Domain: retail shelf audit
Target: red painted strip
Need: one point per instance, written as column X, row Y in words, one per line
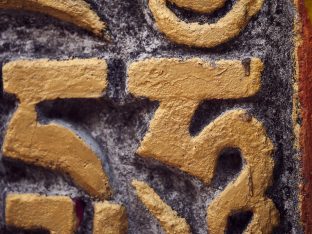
column 305, row 94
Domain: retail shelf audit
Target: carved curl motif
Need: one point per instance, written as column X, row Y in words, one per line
column 77, row 12
column 203, row 35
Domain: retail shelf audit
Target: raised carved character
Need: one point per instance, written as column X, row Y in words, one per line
column 54, row 146
column 180, row 86
column 203, row 35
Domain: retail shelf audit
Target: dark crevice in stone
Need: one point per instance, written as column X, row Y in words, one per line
column 190, row 16
column 238, row 222
column 78, row 110
column 117, row 75
column 16, row 171
column 12, row 230
column 229, row 166
column 85, row 206
column 209, row 110
column 1, row 80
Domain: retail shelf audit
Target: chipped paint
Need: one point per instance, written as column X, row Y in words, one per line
column 267, row 40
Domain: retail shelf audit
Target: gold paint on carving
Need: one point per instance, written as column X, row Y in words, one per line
column 54, row 146
column 204, row 35
column 201, row 6
column 77, row 12
column 180, row 86
column 168, row 218
column 53, row 213
column 235, row 129
column 194, row 79
column 109, row 219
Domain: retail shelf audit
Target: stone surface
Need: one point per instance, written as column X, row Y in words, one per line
column 117, row 122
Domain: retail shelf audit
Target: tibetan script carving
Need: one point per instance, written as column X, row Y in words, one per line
column 168, row 218
column 29, row 211
column 109, row 218
column 203, row 35
column 43, row 145
column 77, row 12
column 180, row 86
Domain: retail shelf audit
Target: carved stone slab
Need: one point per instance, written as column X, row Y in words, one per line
column 154, row 116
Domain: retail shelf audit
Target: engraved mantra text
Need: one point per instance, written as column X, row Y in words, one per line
column 179, row 86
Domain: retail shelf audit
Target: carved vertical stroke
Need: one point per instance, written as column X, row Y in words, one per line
column 54, row 146
column 180, row 86
column 53, row 213
column 109, row 218
column 168, row 218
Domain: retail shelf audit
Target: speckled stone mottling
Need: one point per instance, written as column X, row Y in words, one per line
column 118, row 121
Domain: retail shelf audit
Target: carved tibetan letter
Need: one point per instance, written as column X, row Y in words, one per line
column 180, row 86
column 54, row 146
column 203, row 35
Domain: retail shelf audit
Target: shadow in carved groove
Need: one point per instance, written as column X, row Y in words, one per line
column 229, row 166
column 238, row 222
